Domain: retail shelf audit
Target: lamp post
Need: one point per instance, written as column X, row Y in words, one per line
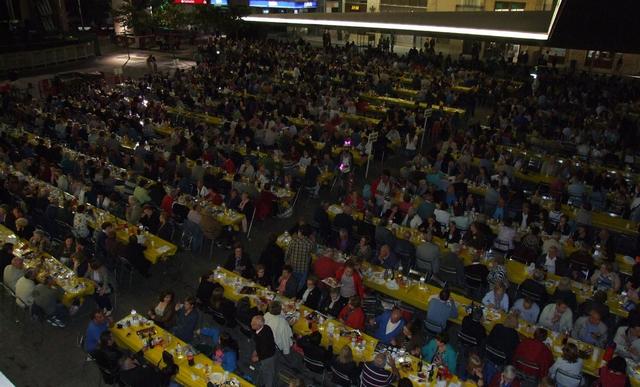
column 81, row 16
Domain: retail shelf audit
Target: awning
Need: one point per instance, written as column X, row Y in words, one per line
column 520, row 26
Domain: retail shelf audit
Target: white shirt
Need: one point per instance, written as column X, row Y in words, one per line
column 282, row 334
column 550, row 264
column 391, row 326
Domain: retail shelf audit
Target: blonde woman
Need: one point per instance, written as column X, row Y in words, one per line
column 344, row 369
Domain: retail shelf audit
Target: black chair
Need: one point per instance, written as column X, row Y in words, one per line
column 340, row 378
column 524, row 292
column 448, row 274
column 433, row 328
column 497, row 356
column 525, row 376
column 124, row 266
column 473, row 285
column 315, row 367
column 467, row 340
column 569, row 379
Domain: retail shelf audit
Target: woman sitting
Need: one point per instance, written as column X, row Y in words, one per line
column 440, row 353
column 225, row 349
column 345, row 371
column 567, row 370
column 164, row 312
column 222, row 310
column 353, row 314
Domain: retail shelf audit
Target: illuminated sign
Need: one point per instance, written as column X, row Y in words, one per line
column 282, row 4
column 219, row 3
column 399, row 26
column 189, row 1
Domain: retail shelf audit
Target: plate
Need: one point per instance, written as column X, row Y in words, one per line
column 216, row 378
column 393, row 285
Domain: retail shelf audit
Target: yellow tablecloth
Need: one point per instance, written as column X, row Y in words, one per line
column 75, row 288
column 157, row 248
column 598, row 219
column 329, row 328
column 192, row 376
column 419, row 294
column 408, row 103
column 213, row 120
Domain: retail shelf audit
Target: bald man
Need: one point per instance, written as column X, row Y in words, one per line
column 264, row 354
column 13, row 273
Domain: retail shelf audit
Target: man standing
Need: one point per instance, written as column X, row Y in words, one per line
column 280, row 328
column 298, row 254
column 264, row 354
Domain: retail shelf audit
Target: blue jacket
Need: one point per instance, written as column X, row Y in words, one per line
column 380, row 332
column 448, row 357
column 229, row 361
column 92, row 337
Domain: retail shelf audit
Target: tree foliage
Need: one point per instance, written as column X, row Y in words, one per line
column 144, row 16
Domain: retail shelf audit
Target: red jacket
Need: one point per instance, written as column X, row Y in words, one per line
column 352, row 317
column 357, row 280
column 359, row 203
column 533, row 351
column 229, row 166
column 167, row 204
column 325, row 267
column 611, row 379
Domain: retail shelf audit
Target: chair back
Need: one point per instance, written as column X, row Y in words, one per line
column 433, row 326
column 527, row 370
column 496, row 355
column 564, row 378
column 527, row 293
column 314, row 365
column 466, row 339
column 472, row 281
column 340, row 378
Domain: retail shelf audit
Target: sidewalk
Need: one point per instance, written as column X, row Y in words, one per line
column 114, row 58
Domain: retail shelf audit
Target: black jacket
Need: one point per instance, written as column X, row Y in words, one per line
column 504, row 339
column 245, row 265
column 313, row 299
column 332, row 310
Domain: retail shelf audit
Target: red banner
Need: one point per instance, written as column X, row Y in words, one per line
column 189, row 1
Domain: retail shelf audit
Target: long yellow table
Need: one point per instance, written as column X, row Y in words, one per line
column 409, row 104
column 125, row 335
column 517, row 272
column 157, row 248
column 75, row 288
column 213, row 120
column 329, row 328
column 576, row 161
column 418, row 295
column 598, row 219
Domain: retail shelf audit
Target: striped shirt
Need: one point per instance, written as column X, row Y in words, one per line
column 374, row 376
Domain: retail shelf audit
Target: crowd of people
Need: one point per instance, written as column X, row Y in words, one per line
column 201, row 154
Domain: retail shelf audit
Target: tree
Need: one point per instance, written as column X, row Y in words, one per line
column 136, row 15
column 172, row 16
